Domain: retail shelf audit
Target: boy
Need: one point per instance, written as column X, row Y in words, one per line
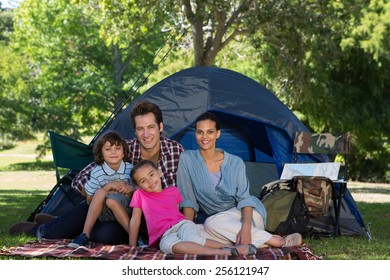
column 108, row 201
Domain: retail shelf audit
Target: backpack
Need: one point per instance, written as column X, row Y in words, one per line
column 317, row 193
column 286, row 210
column 291, row 203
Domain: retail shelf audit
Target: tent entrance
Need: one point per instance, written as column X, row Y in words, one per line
column 250, row 141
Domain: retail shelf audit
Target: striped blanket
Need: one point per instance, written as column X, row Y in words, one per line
column 58, row 249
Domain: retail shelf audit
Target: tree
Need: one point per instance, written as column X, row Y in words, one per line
column 133, row 29
column 320, row 57
column 317, row 56
column 6, row 26
column 365, row 81
column 214, row 24
column 14, row 121
column 84, row 56
column 334, row 71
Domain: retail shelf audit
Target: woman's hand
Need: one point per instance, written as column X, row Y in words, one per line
column 244, row 236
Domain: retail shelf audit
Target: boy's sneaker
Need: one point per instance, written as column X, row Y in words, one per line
column 81, row 240
column 294, row 239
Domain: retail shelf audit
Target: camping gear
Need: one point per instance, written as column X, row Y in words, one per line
column 316, row 193
column 286, row 210
column 327, row 144
column 291, row 203
column 255, row 126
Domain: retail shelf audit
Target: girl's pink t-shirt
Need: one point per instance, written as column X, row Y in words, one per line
column 161, row 210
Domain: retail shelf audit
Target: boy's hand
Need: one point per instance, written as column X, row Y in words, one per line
column 124, row 188
column 111, row 186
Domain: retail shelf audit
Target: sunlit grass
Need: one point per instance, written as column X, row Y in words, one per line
column 377, row 219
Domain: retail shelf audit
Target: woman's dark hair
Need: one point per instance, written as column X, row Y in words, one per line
column 141, row 163
column 145, row 107
column 114, row 139
column 208, row 116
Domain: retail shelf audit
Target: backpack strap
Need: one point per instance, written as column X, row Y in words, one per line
column 274, row 186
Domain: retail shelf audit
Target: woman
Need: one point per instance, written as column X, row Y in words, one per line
column 214, row 186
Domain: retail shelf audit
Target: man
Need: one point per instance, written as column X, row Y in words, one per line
column 149, row 144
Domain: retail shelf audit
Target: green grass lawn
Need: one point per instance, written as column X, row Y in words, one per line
column 19, row 199
column 17, row 205
column 377, row 219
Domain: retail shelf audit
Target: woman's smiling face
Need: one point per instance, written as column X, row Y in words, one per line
column 206, row 134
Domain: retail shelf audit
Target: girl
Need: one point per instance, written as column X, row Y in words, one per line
column 167, row 227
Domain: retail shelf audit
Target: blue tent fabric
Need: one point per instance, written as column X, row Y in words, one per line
column 255, row 124
column 235, row 98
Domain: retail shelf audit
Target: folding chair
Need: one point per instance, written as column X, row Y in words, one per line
column 329, row 144
column 69, row 154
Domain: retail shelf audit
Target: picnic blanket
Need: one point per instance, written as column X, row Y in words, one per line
column 58, row 248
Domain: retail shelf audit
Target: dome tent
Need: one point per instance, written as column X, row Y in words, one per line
column 255, row 125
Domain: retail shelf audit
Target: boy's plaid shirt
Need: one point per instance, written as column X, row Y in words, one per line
column 168, row 162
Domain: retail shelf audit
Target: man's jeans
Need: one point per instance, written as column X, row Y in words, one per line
column 70, row 224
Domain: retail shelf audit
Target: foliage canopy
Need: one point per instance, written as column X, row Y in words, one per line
column 66, row 64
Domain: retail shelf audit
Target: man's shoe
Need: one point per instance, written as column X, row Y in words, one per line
column 22, row 227
column 294, row 239
column 42, row 218
column 81, row 240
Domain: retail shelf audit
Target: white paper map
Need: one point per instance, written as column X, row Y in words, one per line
column 326, row 169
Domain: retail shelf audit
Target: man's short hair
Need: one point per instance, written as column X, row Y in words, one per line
column 146, row 107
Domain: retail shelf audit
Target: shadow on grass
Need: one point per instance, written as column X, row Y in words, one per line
column 31, row 166
column 17, row 205
column 370, row 190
